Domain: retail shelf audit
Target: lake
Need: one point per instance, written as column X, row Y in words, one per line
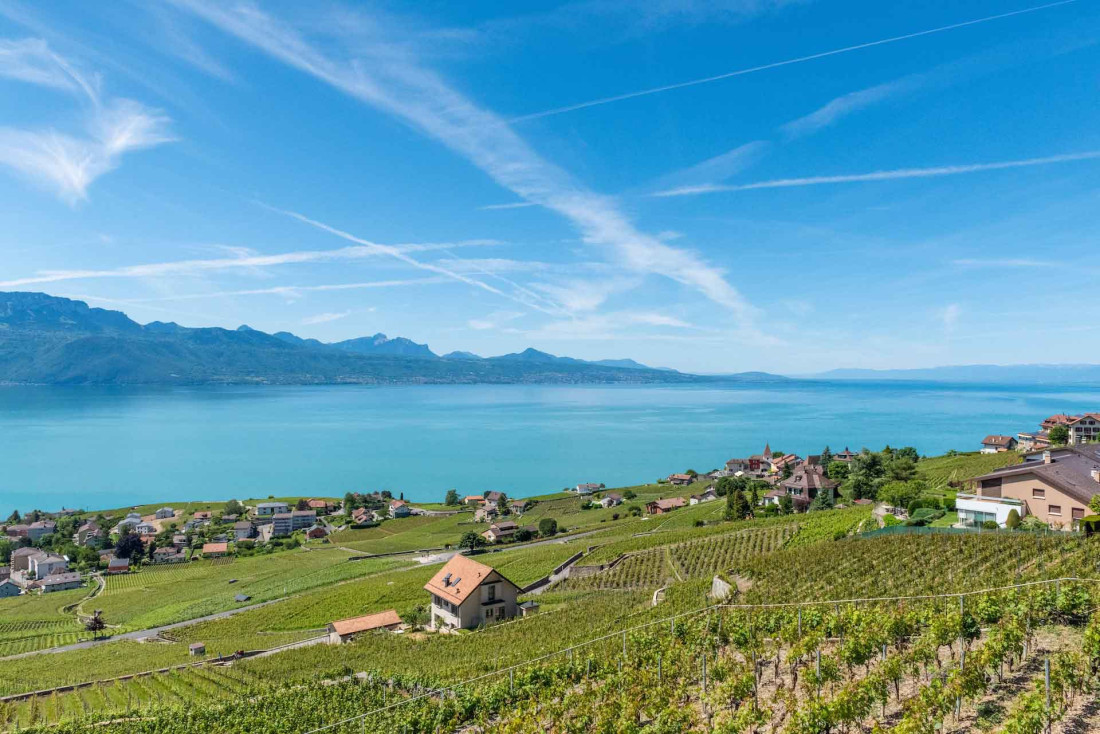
column 96, row 447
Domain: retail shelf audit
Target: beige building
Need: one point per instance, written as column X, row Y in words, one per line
column 467, row 594
column 1055, row 486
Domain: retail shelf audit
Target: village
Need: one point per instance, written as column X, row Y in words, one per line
column 1050, row 478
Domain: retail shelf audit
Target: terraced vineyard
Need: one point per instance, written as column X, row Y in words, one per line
column 39, row 621
column 880, row 667
column 916, row 564
column 209, row 683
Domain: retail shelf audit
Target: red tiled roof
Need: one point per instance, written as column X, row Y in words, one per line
column 366, row 623
column 466, row 575
column 215, row 548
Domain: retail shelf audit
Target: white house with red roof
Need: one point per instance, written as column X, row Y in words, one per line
column 468, row 594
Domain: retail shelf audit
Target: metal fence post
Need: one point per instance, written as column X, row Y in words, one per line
column 511, row 681
column 817, row 670
column 659, row 658
column 800, row 622
column 704, row 672
column 1046, row 675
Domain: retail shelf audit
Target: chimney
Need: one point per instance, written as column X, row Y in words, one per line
column 1046, row 457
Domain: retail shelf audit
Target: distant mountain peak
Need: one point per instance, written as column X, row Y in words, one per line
column 461, row 355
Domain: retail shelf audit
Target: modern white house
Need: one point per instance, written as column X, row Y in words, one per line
column 974, row 509
column 468, row 594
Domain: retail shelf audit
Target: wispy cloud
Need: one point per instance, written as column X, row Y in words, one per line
column 494, row 320
column 777, row 64
column 293, row 291
column 70, row 163
column 949, row 315
column 844, row 105
column 404, row 88
column 716, row 169
column 190, row 267
column 896, row 174
column 1012, row 262
column 31, row 60
column 515, row 205
column 324, row 318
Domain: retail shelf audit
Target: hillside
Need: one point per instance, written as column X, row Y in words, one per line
column 1054, row 374
column 50, row 340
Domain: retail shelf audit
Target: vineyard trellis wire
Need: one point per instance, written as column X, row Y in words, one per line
column 670, row 620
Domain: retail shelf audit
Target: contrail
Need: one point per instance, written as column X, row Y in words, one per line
column 777, row 64
column 899, row 173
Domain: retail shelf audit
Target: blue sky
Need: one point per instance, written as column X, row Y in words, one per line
column 712, row 186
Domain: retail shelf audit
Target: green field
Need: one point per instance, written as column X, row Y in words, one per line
column 39, row 621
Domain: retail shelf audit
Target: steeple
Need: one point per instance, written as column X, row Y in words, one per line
column 767, row 451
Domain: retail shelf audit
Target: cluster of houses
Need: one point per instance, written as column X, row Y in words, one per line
column 32, row 569
column 1080, row 430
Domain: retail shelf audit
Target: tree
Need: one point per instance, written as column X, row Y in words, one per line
column 151, row 550
column 737, row 508
column 386, row 494
column 349, row 502
column 5, row 551
column 823, row 500
column 128, row 545
column 692, row 473
column 233, row 507
column 786, row 505
column 14, row 518
column 95, row 624
column 901, row 469
column 1059, row 435
column 452, row 498
column 836, row 470
column 899, row 494
column 548, row 527
column 629, row 494
column 471, row 541
column 1094, row 504
column 1013, row 520
column 302, row 504
column 523, row 535
column 787, row 471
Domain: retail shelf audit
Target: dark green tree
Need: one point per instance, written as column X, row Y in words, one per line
column 471, row 541
column 836, row 470
column 548, row 527
column 826, row 457
column 452, row 498
column 129, row 544
column 95, row 624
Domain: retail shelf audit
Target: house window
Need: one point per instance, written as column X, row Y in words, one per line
column 1054, row 510
column 1078, row 513
column 1038, row 494
column 991, row 483
column 493, row 592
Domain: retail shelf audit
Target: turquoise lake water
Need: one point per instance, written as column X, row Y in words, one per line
column 111, row 447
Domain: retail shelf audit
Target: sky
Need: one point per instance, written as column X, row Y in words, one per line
column 780, row 185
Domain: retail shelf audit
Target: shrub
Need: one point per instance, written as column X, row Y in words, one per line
column 889, row 521
column 1013, row 520
column 990, row 525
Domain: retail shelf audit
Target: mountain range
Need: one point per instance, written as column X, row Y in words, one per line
column 50, row 340
column 1031, row 374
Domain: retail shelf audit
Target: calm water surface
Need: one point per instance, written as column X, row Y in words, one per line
column 110, row 447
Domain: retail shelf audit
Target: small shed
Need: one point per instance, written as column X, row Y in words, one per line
column 197, row 648
column 529, row 608
column 346, row 629
column 242, row 598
